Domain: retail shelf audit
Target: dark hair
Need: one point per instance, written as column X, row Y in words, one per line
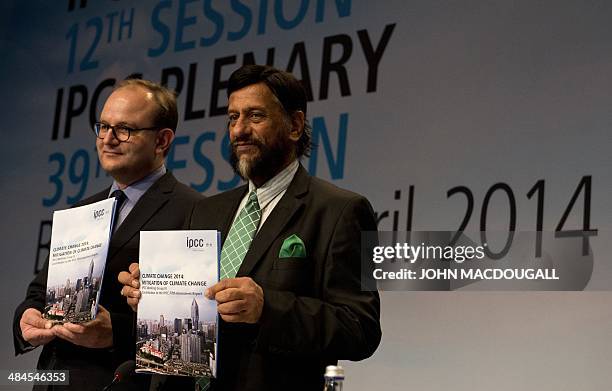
column 167, row 113
column 284, row 86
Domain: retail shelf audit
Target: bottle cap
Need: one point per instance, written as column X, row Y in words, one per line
column 334, row 371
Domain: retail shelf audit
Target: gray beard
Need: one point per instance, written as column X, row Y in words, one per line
column 264, row 166
column 244, row 168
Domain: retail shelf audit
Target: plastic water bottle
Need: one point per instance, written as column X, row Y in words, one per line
column 334, row 378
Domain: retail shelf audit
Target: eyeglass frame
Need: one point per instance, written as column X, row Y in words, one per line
column 112, row 129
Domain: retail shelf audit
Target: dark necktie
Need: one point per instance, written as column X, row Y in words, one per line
column 121, row 198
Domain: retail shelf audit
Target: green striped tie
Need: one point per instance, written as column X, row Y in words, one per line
column 240, row 236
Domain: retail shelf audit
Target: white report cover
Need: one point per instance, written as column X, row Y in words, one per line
column 79, row 245
column 177, row 324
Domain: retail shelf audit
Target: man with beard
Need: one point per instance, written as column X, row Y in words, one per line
column 290, row 298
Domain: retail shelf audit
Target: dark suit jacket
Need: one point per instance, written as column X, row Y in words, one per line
column 315, row 312
column 166, row 205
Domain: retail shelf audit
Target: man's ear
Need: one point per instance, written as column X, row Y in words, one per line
column 164, row 140
column 297, row 125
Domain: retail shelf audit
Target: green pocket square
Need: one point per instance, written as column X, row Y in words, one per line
column 292, row 247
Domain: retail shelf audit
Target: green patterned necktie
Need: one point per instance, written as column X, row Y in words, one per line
column 240, row 236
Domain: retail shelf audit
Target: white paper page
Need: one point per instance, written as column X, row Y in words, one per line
column 79, row 246
column 177, row 325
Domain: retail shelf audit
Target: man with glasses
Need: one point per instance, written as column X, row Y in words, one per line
column 135, row 131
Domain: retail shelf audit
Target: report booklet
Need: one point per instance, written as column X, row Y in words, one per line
column 177, row 324
column 77, row 257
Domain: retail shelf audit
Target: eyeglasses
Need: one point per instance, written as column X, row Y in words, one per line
column 121, row 132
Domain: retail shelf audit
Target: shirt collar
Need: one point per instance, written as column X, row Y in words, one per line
column 134, row 191
column 279, row 183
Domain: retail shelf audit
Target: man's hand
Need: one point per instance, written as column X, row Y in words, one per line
column 34, row 328
column 131, row 283
column 238, row 299
column 97, row 333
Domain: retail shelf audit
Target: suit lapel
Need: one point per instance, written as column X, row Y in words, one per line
column 94, row 198
column 150, row 202
column 291, row 202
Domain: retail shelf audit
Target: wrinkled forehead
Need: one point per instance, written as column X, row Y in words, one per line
column 254, row 96
column 129, row 102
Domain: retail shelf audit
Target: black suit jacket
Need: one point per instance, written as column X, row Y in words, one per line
column 315, row 312
column 166, row 205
